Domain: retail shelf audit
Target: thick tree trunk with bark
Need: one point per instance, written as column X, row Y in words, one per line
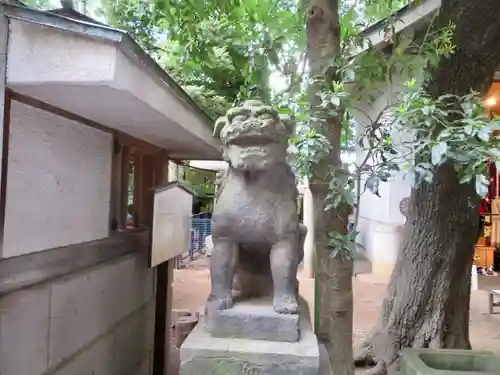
column 428, row 296
column 333, row 274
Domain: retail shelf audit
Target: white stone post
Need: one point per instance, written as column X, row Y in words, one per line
column 474, row 279
column 308, row 219
column 173, row 171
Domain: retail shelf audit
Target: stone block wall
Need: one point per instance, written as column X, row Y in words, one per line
column 97, row 321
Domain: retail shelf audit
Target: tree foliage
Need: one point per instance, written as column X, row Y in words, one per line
column 224, row 51
column 220, row 51
column 449, row 128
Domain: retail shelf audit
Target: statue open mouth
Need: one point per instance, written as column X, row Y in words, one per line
column 251, row 139
column 255, row 157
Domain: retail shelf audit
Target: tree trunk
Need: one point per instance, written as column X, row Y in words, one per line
column 427, row 304
column 428, row 296
column 333, row 310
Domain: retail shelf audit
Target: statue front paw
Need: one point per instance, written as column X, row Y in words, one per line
column 286, row 304
column 220, row 303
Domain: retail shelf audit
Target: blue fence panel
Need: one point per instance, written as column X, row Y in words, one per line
column 201, row 227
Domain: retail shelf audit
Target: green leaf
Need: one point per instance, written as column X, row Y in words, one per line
column 465, row 179
column 412, row 178
column 482, row 185
column 372, row 183
column 349, row 198
column 438, row 153
column 484, row 134
column 411, row 83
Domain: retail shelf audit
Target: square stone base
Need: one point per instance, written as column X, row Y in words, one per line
column 254, row 319
column 203, row 354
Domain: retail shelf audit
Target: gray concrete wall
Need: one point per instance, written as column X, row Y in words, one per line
column 97, row 321
column 58, row 182
column 380, row 220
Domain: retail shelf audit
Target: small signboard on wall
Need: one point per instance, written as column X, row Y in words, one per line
column 173, row 206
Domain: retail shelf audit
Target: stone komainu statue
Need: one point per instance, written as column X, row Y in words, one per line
column 258, row 240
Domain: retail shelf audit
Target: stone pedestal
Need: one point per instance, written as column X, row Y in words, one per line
column 254, row 319
column 258, row 241
column 203, row 353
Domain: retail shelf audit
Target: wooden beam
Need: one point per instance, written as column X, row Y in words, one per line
column 164, row 296
column 143, row 146
column 123, row 189
column 148, row 182
column 5, row 103
column 160, row 169
column 162, row 319
column 138, row 213
column 158, row 176
column 4, row 165
column 115, row 194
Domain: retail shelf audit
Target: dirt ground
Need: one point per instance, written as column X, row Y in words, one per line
column 192, row 284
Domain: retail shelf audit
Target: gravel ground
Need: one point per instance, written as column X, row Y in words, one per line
column 192, row 284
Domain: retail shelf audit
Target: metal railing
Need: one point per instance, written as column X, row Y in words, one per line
column 201, row 227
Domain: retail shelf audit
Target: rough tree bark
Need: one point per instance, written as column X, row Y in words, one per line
column 427, row 304
column 333, row 274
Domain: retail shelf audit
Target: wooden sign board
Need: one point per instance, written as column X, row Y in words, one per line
column 173, row 206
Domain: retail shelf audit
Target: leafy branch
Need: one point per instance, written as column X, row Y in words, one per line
column 363, row 78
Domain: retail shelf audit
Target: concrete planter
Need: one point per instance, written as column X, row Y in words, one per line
column 448, row 362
